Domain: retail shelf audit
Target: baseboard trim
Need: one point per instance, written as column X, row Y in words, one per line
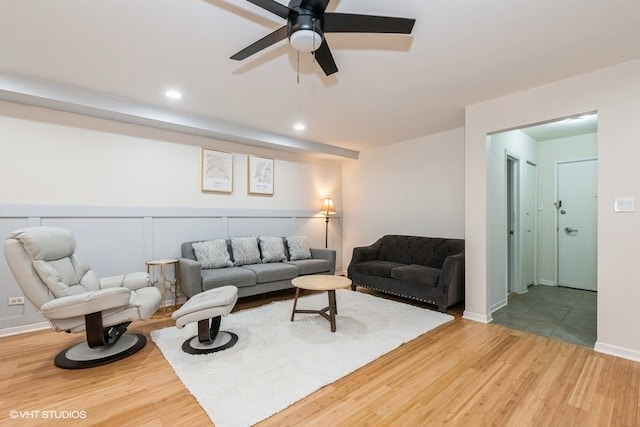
column 17, row 330
column 614, row 350
column 546, row 282
column 477, row 317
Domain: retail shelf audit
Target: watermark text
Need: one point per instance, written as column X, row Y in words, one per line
column 37, row 414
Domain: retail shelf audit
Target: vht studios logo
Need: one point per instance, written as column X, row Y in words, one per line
column 50, row 415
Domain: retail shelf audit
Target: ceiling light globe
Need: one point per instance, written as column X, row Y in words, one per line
column 305, row 40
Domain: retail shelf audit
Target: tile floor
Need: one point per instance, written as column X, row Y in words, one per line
column 564, row 314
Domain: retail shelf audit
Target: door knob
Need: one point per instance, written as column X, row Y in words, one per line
column 570, row 230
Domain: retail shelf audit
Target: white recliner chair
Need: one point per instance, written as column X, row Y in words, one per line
column 72, row 297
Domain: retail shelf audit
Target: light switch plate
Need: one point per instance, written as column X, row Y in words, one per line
column 623, row 204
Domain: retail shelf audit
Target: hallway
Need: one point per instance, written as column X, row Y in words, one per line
column 564, row 314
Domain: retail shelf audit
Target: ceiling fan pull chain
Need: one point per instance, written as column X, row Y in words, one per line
column 313, row 25
column 298, row 74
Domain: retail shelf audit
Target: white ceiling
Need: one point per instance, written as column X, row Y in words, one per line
column 563, row 128
column 389, row 88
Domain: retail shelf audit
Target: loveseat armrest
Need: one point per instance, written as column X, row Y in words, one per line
column 364, row 253
column 326, row 254
column 86, row 303
column 452, row 278
column 190, row 276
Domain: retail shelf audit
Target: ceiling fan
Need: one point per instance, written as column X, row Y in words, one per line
column 307, row 22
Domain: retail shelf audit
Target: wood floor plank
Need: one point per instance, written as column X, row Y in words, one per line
column 462, row 373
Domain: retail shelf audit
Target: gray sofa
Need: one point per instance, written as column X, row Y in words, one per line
column 253, row 278
column 427, row 269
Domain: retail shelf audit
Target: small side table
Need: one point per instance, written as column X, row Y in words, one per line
column 172, row 286
column 320, row 282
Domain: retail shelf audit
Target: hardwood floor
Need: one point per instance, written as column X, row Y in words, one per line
column 463, row 374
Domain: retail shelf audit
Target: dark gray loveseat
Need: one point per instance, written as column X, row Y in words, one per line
column 427, row 269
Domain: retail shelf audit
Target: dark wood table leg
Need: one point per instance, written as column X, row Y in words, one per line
column 333, row 309
column 295, row 302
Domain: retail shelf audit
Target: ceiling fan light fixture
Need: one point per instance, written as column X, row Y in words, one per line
column 305, row 40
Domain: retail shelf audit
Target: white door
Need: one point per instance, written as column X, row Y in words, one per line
column 577, row 224
column 528, row 226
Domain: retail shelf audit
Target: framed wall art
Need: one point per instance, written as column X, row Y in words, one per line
column 260, row 175
column 216, row 171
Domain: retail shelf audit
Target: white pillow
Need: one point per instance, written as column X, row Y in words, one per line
column 212, row 253
column 272, row 249
column 298, row 248
column 245, row 250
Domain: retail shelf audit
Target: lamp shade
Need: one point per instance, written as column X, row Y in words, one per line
column 327, row 207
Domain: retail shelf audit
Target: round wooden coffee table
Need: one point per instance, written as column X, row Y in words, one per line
column 320, row 282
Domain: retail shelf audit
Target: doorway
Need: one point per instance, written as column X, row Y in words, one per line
column 521, row 223
column 513, row 216
column 546, row 164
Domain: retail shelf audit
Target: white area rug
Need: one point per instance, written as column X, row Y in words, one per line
column 277, row 362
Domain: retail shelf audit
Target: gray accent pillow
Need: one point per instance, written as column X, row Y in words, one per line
column 272, row 249
column 212, row 253
column 298, row 248
column 245, row 250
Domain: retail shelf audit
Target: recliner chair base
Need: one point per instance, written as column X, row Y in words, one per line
column 80, row 356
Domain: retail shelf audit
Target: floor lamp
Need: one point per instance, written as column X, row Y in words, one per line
column 327, row 209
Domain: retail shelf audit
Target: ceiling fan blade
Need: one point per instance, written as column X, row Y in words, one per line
column 325, row 59
column 352, row 23
column 263, row 43
column 273, row 7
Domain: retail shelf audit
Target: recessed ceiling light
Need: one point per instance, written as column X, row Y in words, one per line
column 299, row 126
column 173, row 94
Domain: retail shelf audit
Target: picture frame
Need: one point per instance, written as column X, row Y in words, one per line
column 216, row 171
column 261, row 175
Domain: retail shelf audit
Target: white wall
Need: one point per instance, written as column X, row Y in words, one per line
column 65, row 158
column 414, row 187
column 615, row 94
column 549, row 153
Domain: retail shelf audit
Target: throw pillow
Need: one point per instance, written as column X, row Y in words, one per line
column 298, row 248
column 245, row 250
column 212, row 253
column 272, row 249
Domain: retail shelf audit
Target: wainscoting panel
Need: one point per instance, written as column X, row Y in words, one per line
column 170, row 232
column 109, row 245
column 119, row 239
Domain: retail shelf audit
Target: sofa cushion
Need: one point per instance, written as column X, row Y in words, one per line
column 236, row 276
column 245, row 250
column 212, row 253
column 272, row 272
column 271, row 249
column 312, row 266
column 376, row 267
column 298, row 248
column 417, row 274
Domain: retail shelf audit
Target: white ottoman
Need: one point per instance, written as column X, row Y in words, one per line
column 211, row 304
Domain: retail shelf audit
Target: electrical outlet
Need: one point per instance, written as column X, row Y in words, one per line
column 16, row 301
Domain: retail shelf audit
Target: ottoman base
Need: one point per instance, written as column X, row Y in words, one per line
column 210, row 338
column 207, row 308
